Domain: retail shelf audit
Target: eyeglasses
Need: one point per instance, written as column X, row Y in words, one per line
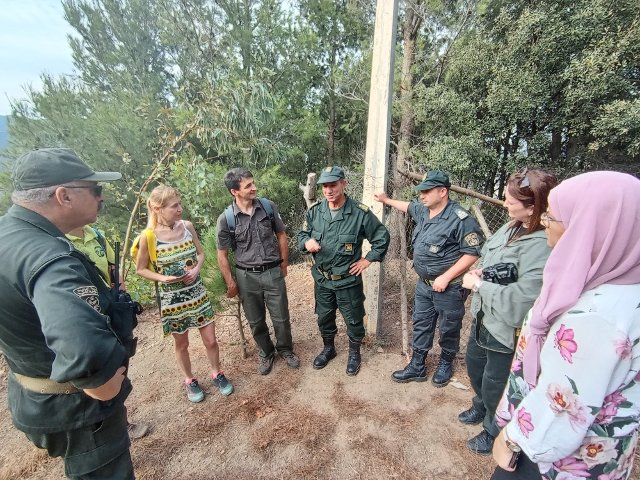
column 525, row 179
column 546, row 219
column 96, row 190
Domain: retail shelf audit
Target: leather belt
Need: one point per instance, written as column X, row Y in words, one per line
column 261, row 268
column 429, row 280
column 45, row 385
column 329, row 276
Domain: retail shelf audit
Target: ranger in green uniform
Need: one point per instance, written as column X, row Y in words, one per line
column 67, row 383
column 446, row 242
column 333, row 233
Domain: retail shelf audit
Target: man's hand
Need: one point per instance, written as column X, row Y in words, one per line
column 232, row 290
column 110, row 389
column 380, row 197
column 312, row 245
column 359, row 267
column 284, row 268
column 440, row 284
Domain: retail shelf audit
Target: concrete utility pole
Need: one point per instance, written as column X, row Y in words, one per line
column 378, row 129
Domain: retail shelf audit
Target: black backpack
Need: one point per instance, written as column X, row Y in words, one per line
column 231, row 219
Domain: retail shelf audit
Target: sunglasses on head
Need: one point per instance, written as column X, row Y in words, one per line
column 525, row 179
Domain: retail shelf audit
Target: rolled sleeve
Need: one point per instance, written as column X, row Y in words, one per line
column 378, row 236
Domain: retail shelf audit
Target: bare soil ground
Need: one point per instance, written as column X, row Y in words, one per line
column 290, row 424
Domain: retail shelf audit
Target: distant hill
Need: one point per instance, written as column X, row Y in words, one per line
column 4, row 132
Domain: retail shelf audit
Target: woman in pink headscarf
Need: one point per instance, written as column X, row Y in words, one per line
column 572, row 402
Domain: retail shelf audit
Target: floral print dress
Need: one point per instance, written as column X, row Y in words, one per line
column 581, row 419
column 182, row 306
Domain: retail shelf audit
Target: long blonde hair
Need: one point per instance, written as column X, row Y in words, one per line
column 159, row 198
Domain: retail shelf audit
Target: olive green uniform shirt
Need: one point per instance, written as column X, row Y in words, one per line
column 341, row 239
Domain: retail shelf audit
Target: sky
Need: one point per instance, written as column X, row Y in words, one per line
column 32, row 41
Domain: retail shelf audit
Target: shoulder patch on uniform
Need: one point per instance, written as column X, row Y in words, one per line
column 461, row 214
column 363, row 207
column 472, row 239
column 90, row 295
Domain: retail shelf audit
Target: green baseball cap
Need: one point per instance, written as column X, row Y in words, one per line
column 47, row 167
column 331, row 174
column 433, row 179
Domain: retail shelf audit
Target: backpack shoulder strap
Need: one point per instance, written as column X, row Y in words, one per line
column 266, row 205
column 151, row 246
column 231, row 219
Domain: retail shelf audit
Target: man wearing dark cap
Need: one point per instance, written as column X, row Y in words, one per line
column 67, row 383
column 333, row 233
column 446, row 242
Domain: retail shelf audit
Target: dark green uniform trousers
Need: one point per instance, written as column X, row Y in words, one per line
column 95, row 452
column 350, row 301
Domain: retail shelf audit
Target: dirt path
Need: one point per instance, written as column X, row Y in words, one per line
column 290, row 424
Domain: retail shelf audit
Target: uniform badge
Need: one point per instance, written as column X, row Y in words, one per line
column 461, row 214
column 434, row 248
column 90, row 295
column 348, row 247
column 472, row 240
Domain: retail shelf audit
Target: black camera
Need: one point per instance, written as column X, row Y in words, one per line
column 500, row 273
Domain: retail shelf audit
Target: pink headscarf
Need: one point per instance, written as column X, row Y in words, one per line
column 600, row 212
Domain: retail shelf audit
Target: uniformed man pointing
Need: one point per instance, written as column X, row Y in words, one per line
column 446, row 242
column 333, row 233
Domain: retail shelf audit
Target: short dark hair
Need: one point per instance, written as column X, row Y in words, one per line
column 234, row 176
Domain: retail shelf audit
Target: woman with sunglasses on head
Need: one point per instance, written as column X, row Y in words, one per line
column 572, row 403
column 506, row 284
column 184, row 304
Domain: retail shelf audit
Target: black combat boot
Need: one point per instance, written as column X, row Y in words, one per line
column 416, row 371
column 444, row 370
column 327, row 353
column 353, row 363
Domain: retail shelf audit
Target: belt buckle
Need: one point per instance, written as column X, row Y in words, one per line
column 427, row 281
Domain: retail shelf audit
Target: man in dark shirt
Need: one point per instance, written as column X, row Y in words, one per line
column 333, row 233
column 446, row 242
column 67, row 383
column 262, row 257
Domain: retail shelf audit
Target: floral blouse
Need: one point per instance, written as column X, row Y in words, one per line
column 581, row 419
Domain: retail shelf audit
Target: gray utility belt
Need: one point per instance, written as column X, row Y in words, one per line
column 45, row 385
column 429, row 280
column 260, row 268
column 329, row 276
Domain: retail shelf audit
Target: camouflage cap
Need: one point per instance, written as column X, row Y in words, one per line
column 433, row 179
column 331, row 174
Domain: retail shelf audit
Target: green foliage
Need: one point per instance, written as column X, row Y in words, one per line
column 210, row 274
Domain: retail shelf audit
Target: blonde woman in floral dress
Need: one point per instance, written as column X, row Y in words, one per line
column 184, row 304
column 572, row 402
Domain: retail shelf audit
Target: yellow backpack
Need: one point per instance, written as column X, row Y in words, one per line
column 151, row 246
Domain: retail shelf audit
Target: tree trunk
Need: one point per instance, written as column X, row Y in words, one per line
column 407, row 124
